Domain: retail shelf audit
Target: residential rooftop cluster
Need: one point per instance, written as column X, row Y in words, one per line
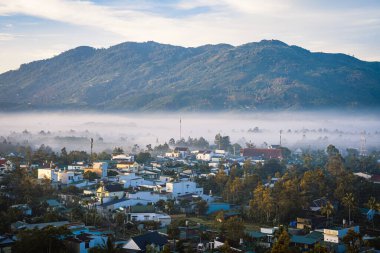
column 182, row 199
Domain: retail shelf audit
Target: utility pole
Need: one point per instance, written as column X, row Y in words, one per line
column 92, row 144
column 363, row 141
column 180, row 128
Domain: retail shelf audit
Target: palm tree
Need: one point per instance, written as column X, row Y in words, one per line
column 349, row 201
column 373, row 206
column 108, row 247
column 327, row 210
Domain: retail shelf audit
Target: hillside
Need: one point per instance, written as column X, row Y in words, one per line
column 156, row 77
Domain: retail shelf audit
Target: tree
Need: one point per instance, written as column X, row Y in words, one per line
column 143, row 157
column 173, row 232
column 248, row 167
column 117, row 151
column 222, row 142
column 135, row 149
column 313, row 185
column 112, row 173
column 169, row 206
column 331, row 150
column 64, row 156
column 172, row 142
column 220, row 179
column 119, row 219
column 225, row 248
column 349, row 201
column 48, row 239
column 282, row 243
column 307, row 160
column 160, row 204
column 233, row 190
column 262, row 202
column 353, row 241
column 272, row 166
column 373, row 207
column 286, row 153
column 234, row 229
column 166, row 249
column 327, row 210
column 149, row 148
column 318, row 248
column 103, row 156
column 107, row 247
column 90, row 175
column 236, row 148
column 162, row 148
column 201, row 206
column 335, row 165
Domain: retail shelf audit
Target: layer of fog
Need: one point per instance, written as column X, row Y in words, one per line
column 307, row 130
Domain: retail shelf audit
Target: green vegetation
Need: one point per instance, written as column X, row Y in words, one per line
column 156, row 77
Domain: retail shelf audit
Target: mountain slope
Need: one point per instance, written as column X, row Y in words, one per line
column 152, row 77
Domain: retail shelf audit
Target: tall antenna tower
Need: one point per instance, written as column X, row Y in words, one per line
column 363, row 150
column 280, row 137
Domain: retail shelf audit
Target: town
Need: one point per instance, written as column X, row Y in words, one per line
column 190, row 196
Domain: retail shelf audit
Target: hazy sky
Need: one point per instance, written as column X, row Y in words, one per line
column 38, row 29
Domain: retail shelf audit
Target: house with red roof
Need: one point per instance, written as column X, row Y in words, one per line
column 261, row 153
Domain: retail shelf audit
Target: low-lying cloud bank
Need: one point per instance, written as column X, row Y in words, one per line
column 308, row 130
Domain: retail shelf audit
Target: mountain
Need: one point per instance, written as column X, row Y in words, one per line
column 150, row 76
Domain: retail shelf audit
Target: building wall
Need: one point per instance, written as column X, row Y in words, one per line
column 101, row 167
column 48, row 173
column 163, row 218
column 66, row 177
column 147, row 195
column 335, row 235
column 183, row 188
column 75, row 167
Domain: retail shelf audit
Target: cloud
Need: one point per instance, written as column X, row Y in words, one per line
column 6, row 36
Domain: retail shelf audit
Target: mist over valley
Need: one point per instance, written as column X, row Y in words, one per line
column 305, row 130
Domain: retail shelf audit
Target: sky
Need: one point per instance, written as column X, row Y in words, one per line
column 38, row 29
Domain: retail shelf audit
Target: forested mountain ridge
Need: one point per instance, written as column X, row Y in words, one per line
column 157, row 77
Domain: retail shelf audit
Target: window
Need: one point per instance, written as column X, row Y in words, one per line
column 87, row 245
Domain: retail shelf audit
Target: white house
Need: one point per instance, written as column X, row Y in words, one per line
column 69, row 177
column 221, row 152
column 130, row 180
column 24, row 208
column 103, row 166
column 205, row 155
column 63, row 176
column 149, row 196
column 129, row 166
column 179, row 152
column 77, row 166
column 108, row 192
column 183, row 188
column 336, row 235
column 120, row 204
column 123, row 158
column 48, row 173
column 163, row 218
